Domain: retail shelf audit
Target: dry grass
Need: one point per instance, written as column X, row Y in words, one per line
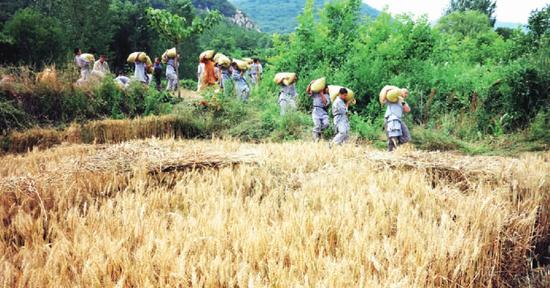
column 290, row 215
column 99, row 132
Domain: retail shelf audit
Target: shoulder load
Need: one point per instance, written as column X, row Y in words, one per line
column 88, row 57
column 390, row 93
column 171, row 53
column 248, row 60
column 222, row 60
column 286, row 78
column 242, row 64
column 319, row 85
column 207, row 55
column 334, row 91
column 168, row 54
column 138, row 56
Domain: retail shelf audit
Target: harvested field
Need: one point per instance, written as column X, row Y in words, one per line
column 165, row 213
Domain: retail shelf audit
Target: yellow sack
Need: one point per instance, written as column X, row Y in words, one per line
column 149, row 69
column 171, row 53
column 209, row 54
column 334, row 91
column 147, row 61
column 217, row 57
column 137, row 56
column 248, row 60
column 289, row 77
column 242, row 64
column 164, row 58
column 390, row 93
column 319, row 85
column 88, row 57
column 223, row 61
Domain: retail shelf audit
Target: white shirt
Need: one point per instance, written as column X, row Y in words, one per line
column 200, row 69
column 102, row 67
column 80, row 62
column 139, row 73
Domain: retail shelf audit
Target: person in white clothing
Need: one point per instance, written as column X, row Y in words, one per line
column 140, row 74
column 101, row 65
column 200, row 74
column 82, row 64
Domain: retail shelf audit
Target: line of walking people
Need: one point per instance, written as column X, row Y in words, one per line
column 393, row 98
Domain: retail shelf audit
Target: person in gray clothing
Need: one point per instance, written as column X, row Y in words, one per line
column 396, row 129
column 319, row 113
column 225, row 80
column 341, row 123
column 287, row 98
column 241, row 86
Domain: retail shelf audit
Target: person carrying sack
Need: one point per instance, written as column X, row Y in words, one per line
column 341, row 122
column 241, row 86
column 319, row 113
column 171, row 74
column 287, row 98
column 396, row 129
column 82, row 64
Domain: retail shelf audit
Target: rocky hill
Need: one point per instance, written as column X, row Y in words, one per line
column 280, row 15
column 228, row 10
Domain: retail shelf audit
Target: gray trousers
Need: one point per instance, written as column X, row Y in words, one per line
column 320, row 122
column 172, row 81
column 342, row 131
column 243, row 92
column 287, row 104
column 396, row 139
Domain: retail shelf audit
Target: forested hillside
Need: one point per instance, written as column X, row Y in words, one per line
column 280, row 15
column 45, row 32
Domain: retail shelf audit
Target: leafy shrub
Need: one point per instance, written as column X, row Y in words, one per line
column 12, row 118
column 539, row 127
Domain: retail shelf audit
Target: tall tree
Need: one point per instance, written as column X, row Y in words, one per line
column 486, row 7
column 539, row 22
column 33, row 39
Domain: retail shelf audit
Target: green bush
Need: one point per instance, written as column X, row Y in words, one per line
column 12, row 118
column 539, row 127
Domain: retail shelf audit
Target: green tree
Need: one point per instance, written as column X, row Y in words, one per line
column 36, row 38
column 87, row 24
column 464, row 24
column 539, row 22
column 486, row 7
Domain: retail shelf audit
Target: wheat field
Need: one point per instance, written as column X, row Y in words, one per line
column 220, row 213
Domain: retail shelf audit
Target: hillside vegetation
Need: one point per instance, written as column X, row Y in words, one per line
column 280, row 15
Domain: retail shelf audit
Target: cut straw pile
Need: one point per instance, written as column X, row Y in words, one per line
column 458, row 169
column 156, row 156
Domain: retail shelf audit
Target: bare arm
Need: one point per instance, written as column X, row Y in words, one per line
column 323, row 98
column 406, row 107
column 308, row 89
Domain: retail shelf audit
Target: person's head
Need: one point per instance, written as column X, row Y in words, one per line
column 404, row 93
column 234, row 65
column 102, row 58
column 157, row 60
column 256, row 61
column 77, row 51
column 343, row 93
